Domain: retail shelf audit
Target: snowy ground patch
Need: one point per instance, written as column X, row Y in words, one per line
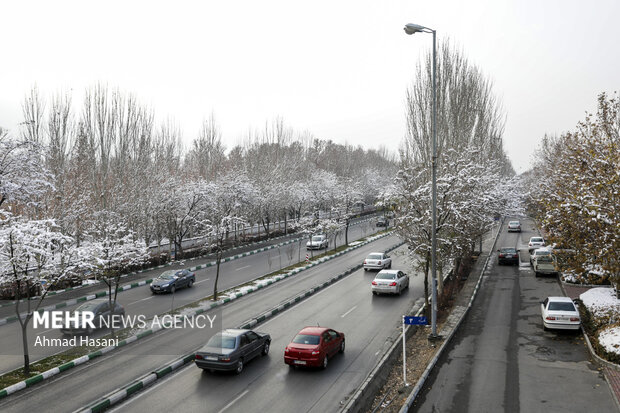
column 609, row 338
column 602, row 304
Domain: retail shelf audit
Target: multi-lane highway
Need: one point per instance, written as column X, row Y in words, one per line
column 88, row 382
column 268, row 384
column 140, row 301
column 501, row 360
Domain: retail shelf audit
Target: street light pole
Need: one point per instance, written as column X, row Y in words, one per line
column 411, row 28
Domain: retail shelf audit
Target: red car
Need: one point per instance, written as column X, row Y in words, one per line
column 313, row 346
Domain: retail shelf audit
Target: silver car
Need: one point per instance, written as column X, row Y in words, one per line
column 317, row 242
column 377, row 261
column 390, row 282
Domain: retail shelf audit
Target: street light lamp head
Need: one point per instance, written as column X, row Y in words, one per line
column 411, row 28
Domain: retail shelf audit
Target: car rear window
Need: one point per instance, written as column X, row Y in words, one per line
column 560, row 306
column 306, row 339
column 386, row 276
column 221, row 341
column 537, row 239
column 514, row 222
column 508, row 250
column 374, row 257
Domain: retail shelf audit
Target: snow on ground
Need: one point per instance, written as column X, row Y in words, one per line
column 600, row 301
column 610, row 339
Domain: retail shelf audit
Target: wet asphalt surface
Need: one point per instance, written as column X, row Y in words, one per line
column 501, row 360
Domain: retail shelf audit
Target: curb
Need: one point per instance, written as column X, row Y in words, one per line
column 80, row 360
column 431, row 364
column 56, row 292
column 122, row 393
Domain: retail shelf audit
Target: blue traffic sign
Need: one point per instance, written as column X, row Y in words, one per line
column 415, row 320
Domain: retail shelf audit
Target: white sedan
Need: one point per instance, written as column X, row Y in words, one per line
column 377, row 261
column 559, row 313
column 390, row 282
column 317, row 242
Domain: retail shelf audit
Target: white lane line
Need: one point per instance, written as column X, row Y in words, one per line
column 234, row 401
column 135, row 302
column 347, row 313
column 243, row 268
column 206, row 279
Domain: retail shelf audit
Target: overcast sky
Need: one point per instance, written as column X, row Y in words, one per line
column 338, row 69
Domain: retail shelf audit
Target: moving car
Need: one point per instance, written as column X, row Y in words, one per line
column 171, row 280
column 390, row 282
column 508, row 255
column 100, row 308
column 317, row 242
column 383, row 222
column 514, row 226
column 377, row 261
column 535, row 242
column 313, row 347
column 231, row 349
column 559, row 313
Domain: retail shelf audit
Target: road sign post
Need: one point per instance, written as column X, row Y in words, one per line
column 409, row 320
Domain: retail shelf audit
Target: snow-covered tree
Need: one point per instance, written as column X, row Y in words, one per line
column 32, row 253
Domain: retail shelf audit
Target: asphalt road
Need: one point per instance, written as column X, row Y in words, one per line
column 140, row 300
column 370, row 324
column 501, row 360
column 88, row 382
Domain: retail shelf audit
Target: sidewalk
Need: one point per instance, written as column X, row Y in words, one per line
column 611, row 371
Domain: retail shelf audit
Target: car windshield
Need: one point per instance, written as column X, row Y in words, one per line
column 168, row 275
column 306, row 339
column 536, row 239
column 546, row 258
column 508, row 250
column 385, row 276
column 561, row 306
column 317, row 238
column 514, row 222
column 222, row 341
column 374, row 257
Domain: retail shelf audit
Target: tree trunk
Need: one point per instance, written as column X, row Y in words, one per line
column 217, row 272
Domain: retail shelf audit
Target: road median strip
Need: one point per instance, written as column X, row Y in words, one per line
column 122, row 393
column 235, row 292
column 56, row 292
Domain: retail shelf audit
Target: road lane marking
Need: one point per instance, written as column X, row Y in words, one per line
column 135, row 302
column 206, row 279
column 243, row 268
column 345, row 314
column 234, row 401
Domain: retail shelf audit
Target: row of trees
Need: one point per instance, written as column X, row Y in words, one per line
column 85, row 194
column 574, row 192
column 474, row 176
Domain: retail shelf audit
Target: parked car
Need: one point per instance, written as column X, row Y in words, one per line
column 377, row 261
column 231, row 349
column 317, row 242
column 559, row 313
column 538, row 253
column 100, row 308
column 508, row 255
column 390, row 282
column 535, row 242
column 313, row 347
column 171, row 280
column 545, row 264
column 383, row 222
column 514, row 226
